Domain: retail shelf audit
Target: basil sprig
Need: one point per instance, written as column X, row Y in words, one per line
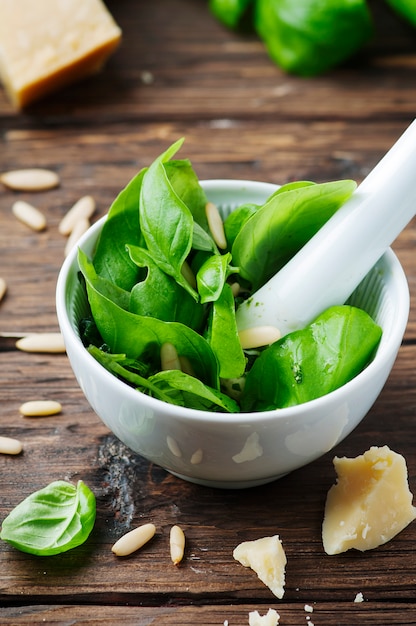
column 54, row 519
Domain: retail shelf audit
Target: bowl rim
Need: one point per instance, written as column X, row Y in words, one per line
column 385, row 353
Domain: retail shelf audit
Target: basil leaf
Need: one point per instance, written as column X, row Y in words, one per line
column 186, row 185
column 230, row 12
column 185, row 390
column 223, row 338
column 312, row 362
column 54, row 519
column 166, row 221
column 307, row 37
column 121, row 227
column 212, row 275
column 405, row 8
column 279, row 229
column 159, row 295
column 236, row 220
column 127, row 333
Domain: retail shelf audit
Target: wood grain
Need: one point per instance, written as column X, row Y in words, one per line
column 181, row 73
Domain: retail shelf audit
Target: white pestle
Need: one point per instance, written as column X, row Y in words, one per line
column 331, row 265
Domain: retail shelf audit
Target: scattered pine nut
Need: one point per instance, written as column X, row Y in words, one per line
column 188, row 274
column 134, row 540
column 81, row 227
column 35, row 179
column 10, row 446
column 3, row 288
column 169, row 358
column 40, row 408
column 258, row 336
column 83, row 208
column 216, row 225
column 177, row 544
column 29, row 215
column 41, row 342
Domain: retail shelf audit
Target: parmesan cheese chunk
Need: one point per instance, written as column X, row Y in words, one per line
column 271, row 618
column 267, row 558
column 370, row 502
column 46, row 44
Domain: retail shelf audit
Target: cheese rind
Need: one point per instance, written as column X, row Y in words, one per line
column 370, row 502
column 47, row 44
column 267, row 558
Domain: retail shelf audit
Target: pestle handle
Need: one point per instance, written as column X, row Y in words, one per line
column 332, row 264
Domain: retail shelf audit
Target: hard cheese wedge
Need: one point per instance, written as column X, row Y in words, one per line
column 267, row 558
column 46, row 44
column 370, row 503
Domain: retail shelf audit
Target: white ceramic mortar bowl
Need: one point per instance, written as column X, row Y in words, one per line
column 245, row 449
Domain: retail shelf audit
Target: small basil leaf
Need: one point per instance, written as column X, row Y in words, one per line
column 212, row 275
column 312, row 362
column 236, row 220
column 54, row 519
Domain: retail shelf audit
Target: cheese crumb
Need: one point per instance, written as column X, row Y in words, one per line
column 271, row 618
column 45, row 44
column 308, row 608
column 359, row 597
column 370, row 502
column 267, row 558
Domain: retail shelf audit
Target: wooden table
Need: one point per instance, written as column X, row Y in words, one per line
column 180, row 73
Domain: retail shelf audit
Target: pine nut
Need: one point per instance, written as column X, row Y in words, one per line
column 235, row 289
column 41, row 342
column 169, row 357
column 258, row 336
column 10, row 446
column 3, row 288
column 40, row 408
column 216, row 225
column 177, row 544
column 35, row 179
column 134, row 540
column 83, row 208
column 29, row 215
column 79, row 229
column 188, row 274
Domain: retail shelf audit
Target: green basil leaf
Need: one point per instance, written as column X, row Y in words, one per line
column 212, row 275
column 279, row 229
column 133, row 335
column 230, row 12
column 165, row 220
column 312, row 362
column 159, row 295
column 186, row 390
column 236, row 220
column 186, row 185
column 54, row 519
column 121, row 227
column 405, row 8
column 223, row 338
column 307, row 37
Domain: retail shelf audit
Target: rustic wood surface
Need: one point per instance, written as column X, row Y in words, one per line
column 180, row 73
